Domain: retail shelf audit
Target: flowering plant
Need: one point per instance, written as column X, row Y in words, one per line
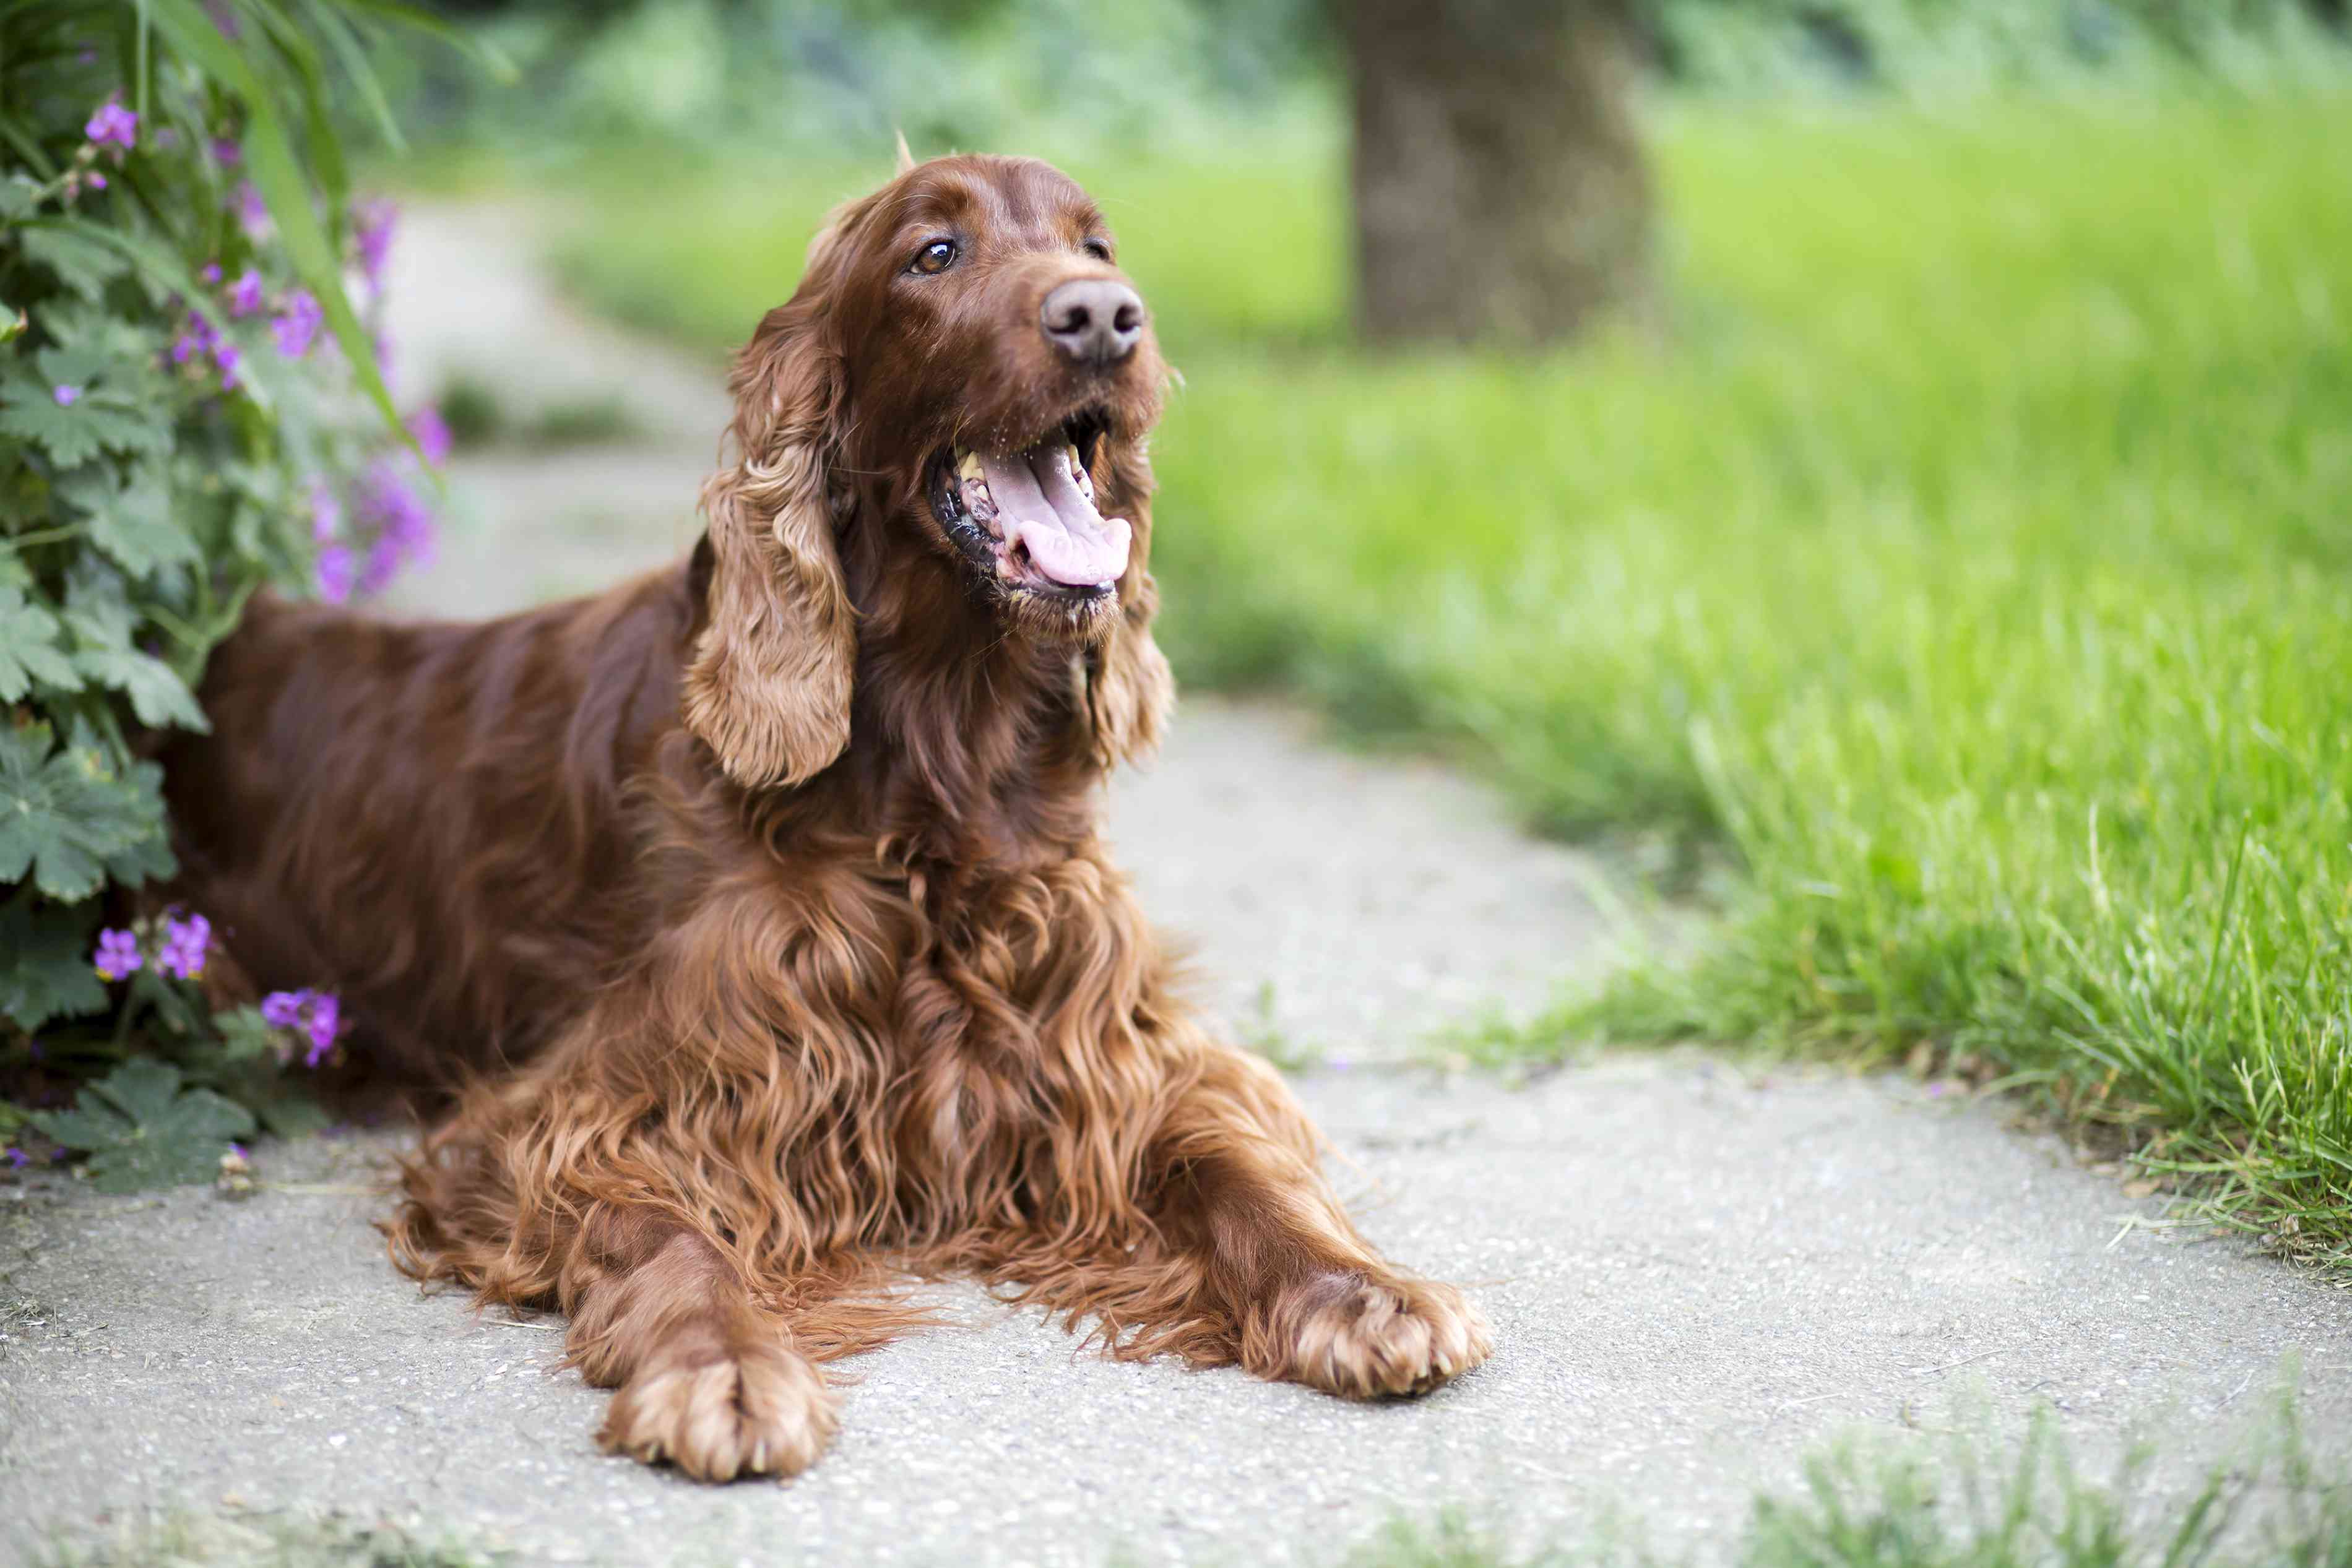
column 193, row 404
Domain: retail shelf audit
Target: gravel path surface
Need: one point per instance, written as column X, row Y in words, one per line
column 1697, row 1273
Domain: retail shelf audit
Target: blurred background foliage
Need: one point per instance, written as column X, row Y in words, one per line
column 1144, row 76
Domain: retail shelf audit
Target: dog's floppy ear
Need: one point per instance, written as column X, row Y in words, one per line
column 768, row 687
column 1129, row 689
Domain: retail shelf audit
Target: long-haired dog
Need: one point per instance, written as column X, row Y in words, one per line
column 757, row 910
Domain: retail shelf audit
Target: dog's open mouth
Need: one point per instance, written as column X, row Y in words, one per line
column 1028, row 517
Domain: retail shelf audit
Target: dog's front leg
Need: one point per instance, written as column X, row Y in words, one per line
column 707, row 1381
column 1236, row 1188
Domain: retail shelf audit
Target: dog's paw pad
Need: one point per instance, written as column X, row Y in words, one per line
column 1366, row 1339
column 762, row 1412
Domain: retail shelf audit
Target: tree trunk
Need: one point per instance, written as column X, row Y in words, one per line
column 1501, row 193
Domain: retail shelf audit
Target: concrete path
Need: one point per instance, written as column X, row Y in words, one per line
column 1695, row 1276
column 1697, row 1272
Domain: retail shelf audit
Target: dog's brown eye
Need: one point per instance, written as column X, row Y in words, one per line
column 935, row 257
column 1098, row 248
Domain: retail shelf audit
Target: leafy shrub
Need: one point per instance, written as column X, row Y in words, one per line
column 192, row 407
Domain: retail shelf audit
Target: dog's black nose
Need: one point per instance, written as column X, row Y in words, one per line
column 1092, row 320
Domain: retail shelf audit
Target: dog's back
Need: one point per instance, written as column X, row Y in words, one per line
column 428, row 815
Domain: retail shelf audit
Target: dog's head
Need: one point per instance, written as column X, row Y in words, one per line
column 962, row 385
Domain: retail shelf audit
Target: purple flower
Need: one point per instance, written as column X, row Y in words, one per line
column 326, row 512
column 224, row 17
column 252, row 212
column 211, row 273
column 298, row 324
column 335, row 573
column 239, row 1150
column 196, row 337
column 67, row 396
column 325, row 1018
column 245, row 294
column 226, row 153
column 372, row 227
column 389, row 502
column 17, row 1158
column 316, row 1014
column 397, row 520
column 432, row 433
column 97, row 180
column 185, row 942
column 383, row 563
column 112, row 126
column 116, row 955
column 227, row 356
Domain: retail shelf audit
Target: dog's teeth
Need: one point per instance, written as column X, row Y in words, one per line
column 968, row 468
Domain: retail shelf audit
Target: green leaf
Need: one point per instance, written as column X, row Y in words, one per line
column 94, row 344
column 74, row 433
column 18, row 198
column 345, row 41
column 292, row 1115
column 28, row 649
column 158, row 695
column 44, row 970
column 62, row 816
column 84, row 268
column 134, row 522
column 102, row 625
column 487, row 55
column 141, row 1129
column 244, row 1034
column 148, row 858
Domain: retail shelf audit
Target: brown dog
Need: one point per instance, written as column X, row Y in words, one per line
column 758, row 905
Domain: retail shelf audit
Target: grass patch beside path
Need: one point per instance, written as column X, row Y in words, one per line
column 1959, row 1509
column 1972, row 568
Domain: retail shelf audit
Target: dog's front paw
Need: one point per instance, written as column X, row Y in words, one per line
column 1364, row 1338
column 762, row 1410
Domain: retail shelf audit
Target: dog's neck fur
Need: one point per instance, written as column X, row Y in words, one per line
column 956, row 719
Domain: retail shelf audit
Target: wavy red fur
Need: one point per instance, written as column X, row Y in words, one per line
column 756, row 913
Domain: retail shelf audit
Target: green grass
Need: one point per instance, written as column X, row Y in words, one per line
column 1969, row 568
column 1954, row 1507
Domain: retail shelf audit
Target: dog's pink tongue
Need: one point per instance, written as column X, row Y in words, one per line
column 1039, row 500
